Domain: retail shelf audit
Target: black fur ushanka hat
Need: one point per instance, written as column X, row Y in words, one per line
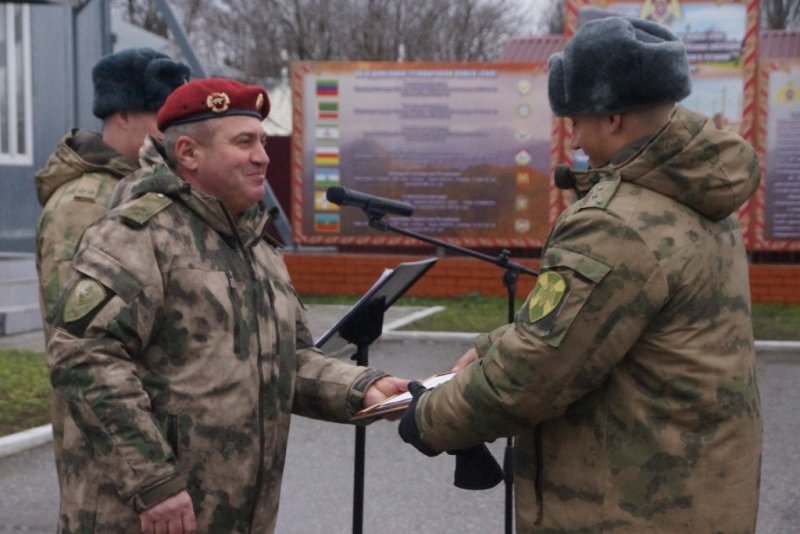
column 135, row 79
column 616, row 64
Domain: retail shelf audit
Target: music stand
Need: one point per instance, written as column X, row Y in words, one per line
column 510, row 276
column 361, row 326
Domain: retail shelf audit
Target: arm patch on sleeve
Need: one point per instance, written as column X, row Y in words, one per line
column 546, row 296
column 564, row 285
column 80, row 304
column 84, row 297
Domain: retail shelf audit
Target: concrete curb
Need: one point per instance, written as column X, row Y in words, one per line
column 763, row 348
column 781, row 351
column 22, row 441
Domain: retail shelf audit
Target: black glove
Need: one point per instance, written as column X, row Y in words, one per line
column 476, row 468
column 408, row 430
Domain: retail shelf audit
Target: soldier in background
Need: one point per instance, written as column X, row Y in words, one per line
column 179, row 343
column 76, row 183
column 628, row 376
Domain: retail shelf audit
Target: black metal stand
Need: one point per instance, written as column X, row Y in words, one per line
column 510, row 277
column 361, row 326
column 362, row 330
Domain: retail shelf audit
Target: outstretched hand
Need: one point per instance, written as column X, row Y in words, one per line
column 384, row 388
column 463, row 362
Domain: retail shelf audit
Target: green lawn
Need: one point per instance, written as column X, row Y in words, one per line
column 482, row 314
column 24, row 391
column 25, row 386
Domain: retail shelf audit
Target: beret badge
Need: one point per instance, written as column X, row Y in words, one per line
column 211, row 98
column 218, row 102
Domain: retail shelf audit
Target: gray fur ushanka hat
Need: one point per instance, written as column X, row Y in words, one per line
column 616, row 64
column 135, row 79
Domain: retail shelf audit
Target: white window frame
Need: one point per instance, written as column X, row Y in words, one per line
column 14, row 156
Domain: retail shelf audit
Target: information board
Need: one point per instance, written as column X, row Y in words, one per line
column 468, row 145
column 780, row 148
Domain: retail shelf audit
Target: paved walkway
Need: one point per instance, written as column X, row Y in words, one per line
column 404, row 490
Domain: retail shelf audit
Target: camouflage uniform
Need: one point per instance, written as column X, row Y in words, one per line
column 628, row 376
column 181, row 349
column 74, row 188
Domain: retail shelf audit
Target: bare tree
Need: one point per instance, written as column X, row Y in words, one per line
column 144, row 14
column 260, row 37
column 553, row 19
column 780, row 14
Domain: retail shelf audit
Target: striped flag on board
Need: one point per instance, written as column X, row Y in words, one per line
column 321, row 202
column 328, row 110
column 327, row 132
column 326, row 178
column 326, row 222
column 326, row 156
column 327, row 88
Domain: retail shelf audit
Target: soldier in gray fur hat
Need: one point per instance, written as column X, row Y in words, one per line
column 628, row 376
column 77, row 181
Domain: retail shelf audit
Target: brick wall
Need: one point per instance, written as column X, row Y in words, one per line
column 353, row 274
column 775, row 284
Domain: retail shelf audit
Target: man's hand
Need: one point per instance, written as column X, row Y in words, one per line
column 383, row 389
column 171, row 516
column 470, row 356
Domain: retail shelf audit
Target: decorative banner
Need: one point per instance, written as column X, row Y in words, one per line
column 468, row 145
column 777, row 217
column 721, row 39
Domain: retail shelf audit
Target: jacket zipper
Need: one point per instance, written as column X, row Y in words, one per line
column 237, row 345
column 262, row 438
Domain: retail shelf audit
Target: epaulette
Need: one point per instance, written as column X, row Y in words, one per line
column 87, row 187
column 601, row 194
column 138, row 211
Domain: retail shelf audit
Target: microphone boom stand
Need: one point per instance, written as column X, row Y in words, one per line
column 510, row 276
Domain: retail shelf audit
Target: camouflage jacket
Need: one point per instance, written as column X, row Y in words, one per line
column 628, row 376
column 181, row 349
column 74, row 188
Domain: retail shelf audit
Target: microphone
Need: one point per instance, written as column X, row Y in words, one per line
column 564, row 179
column 370, row 203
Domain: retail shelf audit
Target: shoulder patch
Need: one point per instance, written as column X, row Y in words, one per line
column 84, row 297
column 546, row 296
column 137, row 212
column 601, row 194
column 88, row 188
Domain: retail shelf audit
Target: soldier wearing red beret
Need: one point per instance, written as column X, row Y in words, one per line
column 180, row 345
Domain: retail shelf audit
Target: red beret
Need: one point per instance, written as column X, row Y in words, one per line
column 208, row 98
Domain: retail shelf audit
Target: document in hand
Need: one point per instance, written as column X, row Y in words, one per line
column 399, row 402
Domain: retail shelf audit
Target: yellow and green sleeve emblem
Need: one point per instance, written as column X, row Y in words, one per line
column 546, row 296
column 84, row 297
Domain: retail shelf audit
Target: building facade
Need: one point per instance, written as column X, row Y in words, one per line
column 46, row 55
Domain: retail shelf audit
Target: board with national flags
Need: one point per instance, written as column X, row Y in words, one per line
column 469, row 145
